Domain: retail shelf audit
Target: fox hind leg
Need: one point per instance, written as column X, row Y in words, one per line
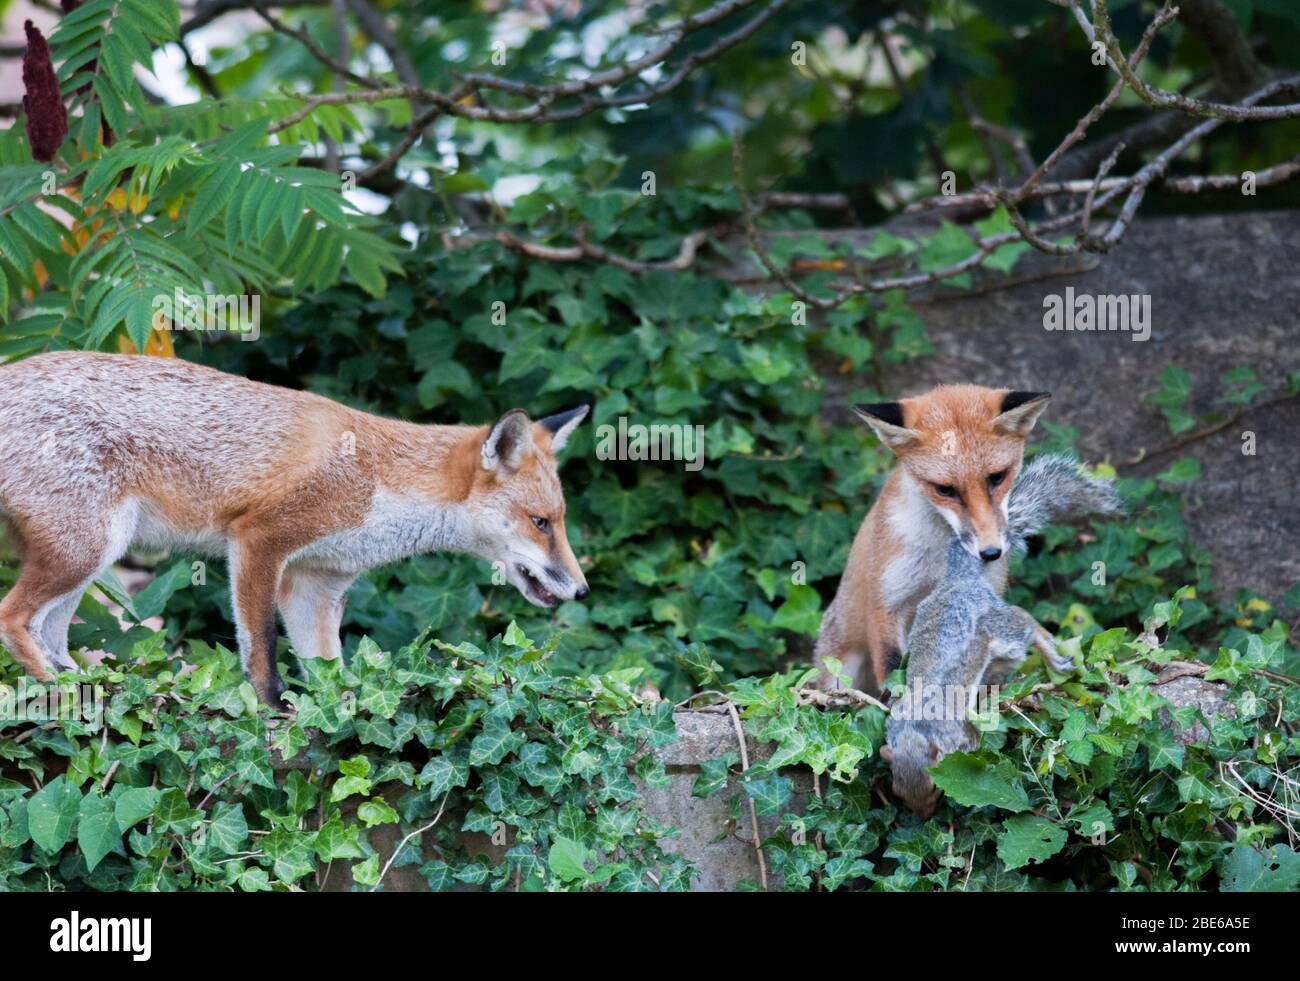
column 311, row 605
column 32, row 614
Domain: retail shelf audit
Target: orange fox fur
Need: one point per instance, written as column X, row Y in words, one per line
column 299, row 493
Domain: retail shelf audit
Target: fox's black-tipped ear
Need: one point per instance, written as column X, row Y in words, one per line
column 562, row 424
column 508, row 441
column 1019, row 411
column 886, row 421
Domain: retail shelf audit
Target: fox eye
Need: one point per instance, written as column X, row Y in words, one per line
column 542, row 524
column 996, row 478
column 945, row 490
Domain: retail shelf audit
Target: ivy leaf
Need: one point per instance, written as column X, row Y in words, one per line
column 1027, row 838
column 135, row 805
column 769, row 793
column 97, row 830
column 52, row 812
column 695, row 659
column 567, row 860
column 377, row 811
column 976, row 782
column 366, row 873
column 291, row 853
column 1184, row 471
column 1246, row 870
column 152, row 600
column 801, row 612
column 229, row 829
column 514, row 637
column 713, row 775
column 253, row 764
column 494, row 743
column 441, row 774
column 338, row 840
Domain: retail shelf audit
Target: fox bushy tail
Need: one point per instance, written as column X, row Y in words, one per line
column 1053, row 489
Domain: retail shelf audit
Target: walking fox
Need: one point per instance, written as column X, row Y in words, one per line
column 964, row 635
column 299, row 493
column 959, row 448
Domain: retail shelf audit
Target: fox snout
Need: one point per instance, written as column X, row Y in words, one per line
column 546, row 583
column 988, row 544
column 571, row 584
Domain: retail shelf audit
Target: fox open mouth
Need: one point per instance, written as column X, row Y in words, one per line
column 534, row 591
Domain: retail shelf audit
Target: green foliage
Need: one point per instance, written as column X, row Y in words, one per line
column 147, row 211
column 184, row 782
column 729, row 564
column 1078, row 787
column 701, row 578
column 679, row 560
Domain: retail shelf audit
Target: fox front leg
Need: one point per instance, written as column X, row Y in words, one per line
column 254, row 583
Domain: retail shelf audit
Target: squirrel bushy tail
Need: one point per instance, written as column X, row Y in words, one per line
column 1052, row 489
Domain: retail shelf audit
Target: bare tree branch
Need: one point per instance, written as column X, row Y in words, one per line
column 1237, row 71
column 317, row 52
column 465, row 100
column 375, row 26
column 585, row 249
column 1100, row 30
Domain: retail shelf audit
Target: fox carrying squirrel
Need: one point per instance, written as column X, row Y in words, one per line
column 964, row 635
column 299, row 493
column 959, row 448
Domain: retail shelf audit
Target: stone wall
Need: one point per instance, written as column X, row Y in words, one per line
column 1225, row 291
column 706, row 835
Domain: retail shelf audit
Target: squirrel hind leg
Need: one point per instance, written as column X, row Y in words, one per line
column 1040, row 640
column 1012, row 631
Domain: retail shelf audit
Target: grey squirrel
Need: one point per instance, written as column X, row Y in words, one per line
column 964, row 634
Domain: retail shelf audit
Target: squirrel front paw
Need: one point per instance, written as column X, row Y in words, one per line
column 1059, row 662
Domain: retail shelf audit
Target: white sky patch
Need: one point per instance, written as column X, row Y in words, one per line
column 604, row 31
column 367, row 201
column 506, row 190
column 418, row 177
column 170, row 71
column 456, row 50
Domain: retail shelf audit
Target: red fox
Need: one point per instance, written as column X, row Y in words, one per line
column 959, row 448
column 964, row 637
column 299, row 493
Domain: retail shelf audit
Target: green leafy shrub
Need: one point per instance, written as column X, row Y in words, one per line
column 1080, row 786
column 184, row 782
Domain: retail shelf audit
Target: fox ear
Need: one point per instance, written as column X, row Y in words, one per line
column 508, row 441
column 886, row 421
column 887, row 754
column 936, row 754
column 562, row 424
column 1019, row 411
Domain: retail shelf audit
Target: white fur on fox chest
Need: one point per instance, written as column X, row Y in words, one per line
column 397, row 526
column 924, row 534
